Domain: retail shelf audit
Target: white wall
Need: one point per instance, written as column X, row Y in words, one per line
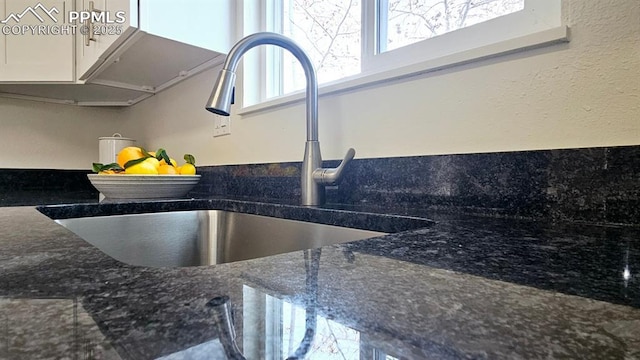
column 582, row 94
column 51, row 136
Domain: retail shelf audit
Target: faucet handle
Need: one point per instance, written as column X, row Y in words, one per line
column 328, row 176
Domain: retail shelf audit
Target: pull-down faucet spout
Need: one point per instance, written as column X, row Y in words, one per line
column 314, row 177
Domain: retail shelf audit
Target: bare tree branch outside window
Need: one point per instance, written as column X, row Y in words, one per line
column 410, row 21
column 330, row 33
column 330, row 30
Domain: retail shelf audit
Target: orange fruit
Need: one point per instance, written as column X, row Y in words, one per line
column 165, row 169
column 128, row 154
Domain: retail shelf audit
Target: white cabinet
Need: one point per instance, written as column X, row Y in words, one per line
column 173, row 41
column 129, row 50
column 96, row 40
column 208, row 24
column 35, row 45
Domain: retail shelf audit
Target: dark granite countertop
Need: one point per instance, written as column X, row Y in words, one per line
column 465, row 288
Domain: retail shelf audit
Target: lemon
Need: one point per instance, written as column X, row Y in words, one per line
column 187, row 169
column 153, row 161
column 165, row 169
column 171, row 160
column 147, row 167
column 107, row 172
column 162, row 162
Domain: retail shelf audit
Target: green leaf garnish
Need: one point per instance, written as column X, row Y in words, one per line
column 145, row 153
column 161, row 154
column 98, row 167
column 190, row 159
column 130, row 163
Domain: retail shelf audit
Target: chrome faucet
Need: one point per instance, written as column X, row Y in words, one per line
column 314, row 177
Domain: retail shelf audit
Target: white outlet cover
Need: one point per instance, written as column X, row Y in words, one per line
column 222, row 126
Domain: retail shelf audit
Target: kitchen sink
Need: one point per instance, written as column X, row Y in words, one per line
column 203, row 237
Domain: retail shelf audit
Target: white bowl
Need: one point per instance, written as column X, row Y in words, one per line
column 126, row 186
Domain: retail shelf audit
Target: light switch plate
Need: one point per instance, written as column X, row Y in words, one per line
column 222, row 126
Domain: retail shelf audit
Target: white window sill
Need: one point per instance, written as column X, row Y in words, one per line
column 537, row 40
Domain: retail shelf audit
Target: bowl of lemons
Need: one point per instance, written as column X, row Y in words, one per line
column 139, row 174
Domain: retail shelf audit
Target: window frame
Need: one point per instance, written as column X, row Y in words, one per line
column 539, row 24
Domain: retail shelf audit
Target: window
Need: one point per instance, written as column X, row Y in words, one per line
column 330, row 31
column 274, row 328
column 349, row 39
column 405, row 22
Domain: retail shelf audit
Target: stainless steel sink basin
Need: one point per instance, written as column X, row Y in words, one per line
column 193, row 238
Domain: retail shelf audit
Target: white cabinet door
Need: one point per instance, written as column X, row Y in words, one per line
column 97, row 39
column 36, row 43
column 209, row 24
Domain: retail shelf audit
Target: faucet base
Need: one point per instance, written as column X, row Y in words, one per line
column 313, row 194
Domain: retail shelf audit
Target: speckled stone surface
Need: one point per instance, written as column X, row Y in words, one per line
column 44, row 186
column 329, row 216
column 465, row 288
column 593, row 185
column 77, row 335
